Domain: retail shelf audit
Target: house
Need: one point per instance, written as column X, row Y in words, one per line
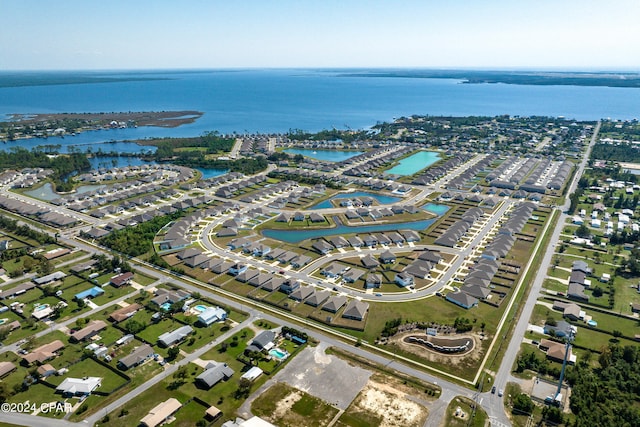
column 92, row 329
column 160, row 413
column 137, row 357
column 45, row 370
column 318, row 298
column 212, row 315
column 582, row 266
column 477, row 291
column 355, row 242
column 410, row 235
column 316, row 217
column 370, row 241
column 462, row 299
column 418, row 269
column 6, row 368
column 355, row 310
column 352, row 275
column 300, row 261
column 125, row 339
column 78, row 386
column 213, row 374
column 432, row 256
column 339, row 241
column 17, row 290
column 335, row 303
column 252, row 374
column 302, row 293
column 43, row 353
column 289, row 286
column 559, row 329
column 263, row 341
column 247, row 275
column 170, row 338
column 238, row 268
column 188, row 253
column 576, row 291
column 403, row 279
column 89, row 293
column 387, row 257
column 569, row 310
column 333, row 270
column 125, row 312
column 322, row 247
column 121, row 279
column 58, row 275
column 195, row 261
column 165, row 296
column 369, row 262
column 373, row 280
column 556, row 351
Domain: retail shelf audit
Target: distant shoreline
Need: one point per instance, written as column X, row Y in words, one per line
column 594, row 79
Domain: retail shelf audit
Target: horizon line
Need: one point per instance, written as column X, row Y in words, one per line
column 556, row 69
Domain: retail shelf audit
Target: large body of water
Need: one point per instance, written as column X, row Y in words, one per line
column 279, row 100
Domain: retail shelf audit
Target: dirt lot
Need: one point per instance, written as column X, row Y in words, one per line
column 391, row 406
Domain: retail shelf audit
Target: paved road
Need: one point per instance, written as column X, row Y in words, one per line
column 496, row 407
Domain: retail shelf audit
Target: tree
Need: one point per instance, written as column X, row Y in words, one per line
column 243, row 390
column 553, row 414
column 582, row 231
column 181, row 373
column 172, row 353
column 133, row 326
column 522, row 404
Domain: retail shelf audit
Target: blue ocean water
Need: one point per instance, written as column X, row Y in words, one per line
column 279, row 100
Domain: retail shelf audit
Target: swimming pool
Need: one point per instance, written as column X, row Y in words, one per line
column 41, row 307
column 166, row 306
column 200, row 308
column 279, row 354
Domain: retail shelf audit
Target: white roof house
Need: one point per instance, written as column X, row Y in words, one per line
column 252, row 373
column 212, row 315
column 77, row 386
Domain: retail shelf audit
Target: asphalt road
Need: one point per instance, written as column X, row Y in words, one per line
column 495, row 405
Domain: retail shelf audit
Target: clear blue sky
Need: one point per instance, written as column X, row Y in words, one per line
column 117, row 34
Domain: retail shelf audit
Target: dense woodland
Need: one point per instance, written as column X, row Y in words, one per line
column 610, row 394
column 618, row 152
column 138, row 240
column 208, row 143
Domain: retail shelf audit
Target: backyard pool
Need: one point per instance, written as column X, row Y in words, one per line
column 278, row 353
column 166, row 306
